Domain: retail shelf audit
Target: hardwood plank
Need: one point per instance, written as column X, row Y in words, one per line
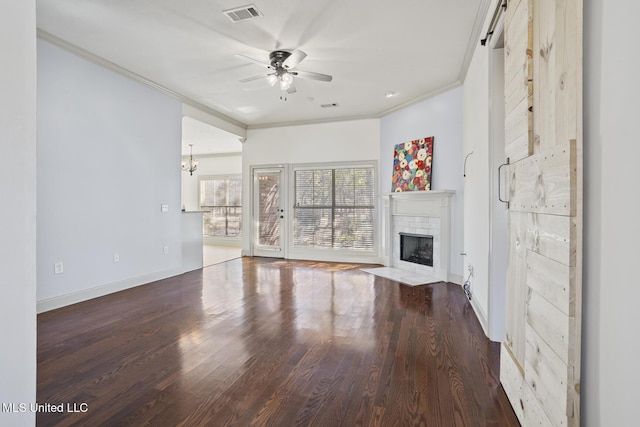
column 259, row 342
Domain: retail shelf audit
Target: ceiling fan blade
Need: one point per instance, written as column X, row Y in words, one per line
column 312, row 76
column 294, row 59
column 252, row 78
column 255, row 61
column 292, row 89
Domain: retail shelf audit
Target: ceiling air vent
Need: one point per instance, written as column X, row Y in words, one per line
column 243, row 13
column 329, row 105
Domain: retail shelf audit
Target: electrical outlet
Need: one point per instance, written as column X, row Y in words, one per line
column 164, row 208
column 116, row 258
column 165, row 250
column 470, row 270
column 58, row 268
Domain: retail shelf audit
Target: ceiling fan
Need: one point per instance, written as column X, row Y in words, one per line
column 281, row 65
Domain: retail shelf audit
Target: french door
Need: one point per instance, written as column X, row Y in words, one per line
column 269, row 212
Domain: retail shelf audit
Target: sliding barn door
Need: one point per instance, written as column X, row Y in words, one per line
column 540, row 358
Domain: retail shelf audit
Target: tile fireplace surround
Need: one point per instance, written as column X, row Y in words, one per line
column 419, row 212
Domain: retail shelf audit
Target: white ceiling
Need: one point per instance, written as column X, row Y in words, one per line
column 411, row 47
column 207, row 139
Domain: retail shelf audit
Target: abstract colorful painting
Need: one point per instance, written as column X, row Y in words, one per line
column 412, row 165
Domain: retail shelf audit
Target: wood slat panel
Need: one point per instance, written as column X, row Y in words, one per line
column 553, row 236
column 523, row 400
column 550, row 323
column 516, row 121
column 544, row 190
column 552, row 280
column 518, row 45
column 518, row 138
column 545, row 48
column 568, row 80
column 513, row 92
column 516, row 291
column 545, row 182
column 556, row 63
column 546, row 374
column 518, row 148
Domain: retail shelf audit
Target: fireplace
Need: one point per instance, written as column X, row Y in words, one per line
column 422, row 213
column 416, row 248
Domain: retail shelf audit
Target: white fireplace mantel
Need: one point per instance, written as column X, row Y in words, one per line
column 419, row 207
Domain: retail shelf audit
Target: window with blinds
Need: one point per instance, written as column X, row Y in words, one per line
column 334, row 208
column 220, row 199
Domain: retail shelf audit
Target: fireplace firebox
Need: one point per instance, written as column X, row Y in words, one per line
column 416, row 248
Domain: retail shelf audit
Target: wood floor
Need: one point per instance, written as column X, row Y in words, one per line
column 263, row 342
column 214, row 254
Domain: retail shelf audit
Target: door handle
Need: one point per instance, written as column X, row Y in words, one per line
column 499, row 183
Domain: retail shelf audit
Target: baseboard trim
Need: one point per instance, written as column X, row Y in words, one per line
column 456, row 278
column 102, row 290
column 480, row 315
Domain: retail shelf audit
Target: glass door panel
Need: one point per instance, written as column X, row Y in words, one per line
column 268, row 212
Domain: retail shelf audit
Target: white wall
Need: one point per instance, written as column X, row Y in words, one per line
column 611, row 348
column 476, row 201
column 108, row 158
column 485, row 217
column 440, row 117
column 18, row 209
column 313, row 143
column 207, row 165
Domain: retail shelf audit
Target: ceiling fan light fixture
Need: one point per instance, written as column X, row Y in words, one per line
column 287, row 78
column 284, row 85
column 272, row 79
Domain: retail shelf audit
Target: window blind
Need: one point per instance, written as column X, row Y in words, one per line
column 334, row 208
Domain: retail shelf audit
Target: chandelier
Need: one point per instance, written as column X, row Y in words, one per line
column 190, row 165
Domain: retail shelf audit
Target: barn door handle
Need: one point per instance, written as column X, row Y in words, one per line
column 500, row 184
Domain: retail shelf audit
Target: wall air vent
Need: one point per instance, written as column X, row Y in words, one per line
column 333, row 105
column 243, row 13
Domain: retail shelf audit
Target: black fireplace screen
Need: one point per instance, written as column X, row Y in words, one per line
column 416, row 248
